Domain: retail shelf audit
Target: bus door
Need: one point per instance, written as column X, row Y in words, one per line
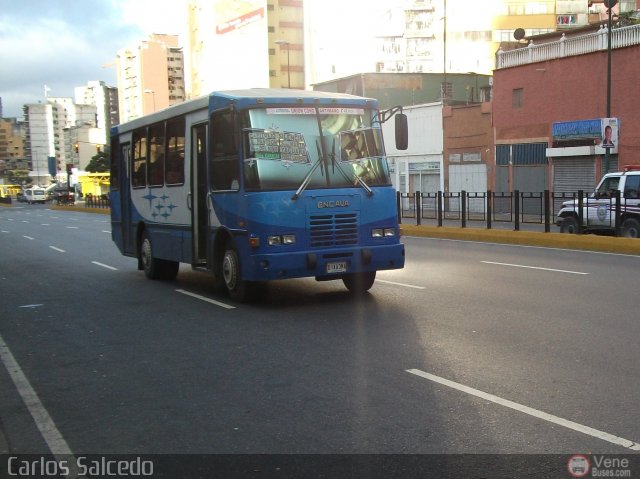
column 128, row 235
column 200, row 213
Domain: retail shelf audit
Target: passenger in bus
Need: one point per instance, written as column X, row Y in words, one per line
column 175, row 172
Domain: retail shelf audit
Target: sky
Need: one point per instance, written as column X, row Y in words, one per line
column 67, row 43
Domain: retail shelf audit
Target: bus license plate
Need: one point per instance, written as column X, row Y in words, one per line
column 338, row 267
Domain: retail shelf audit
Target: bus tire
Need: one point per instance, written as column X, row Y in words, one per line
column 155, row 268
column 631, row 228
column 569, row 225
column 359, row 283
column 238, row 288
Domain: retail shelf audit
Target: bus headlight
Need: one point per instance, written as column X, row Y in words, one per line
column 278, row 240
column 383, row 232
column 274, row 240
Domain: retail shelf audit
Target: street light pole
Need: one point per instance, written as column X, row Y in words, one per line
column 281, row 43
column 609, row 4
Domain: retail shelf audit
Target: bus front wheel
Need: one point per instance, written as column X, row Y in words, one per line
column 155, row 268
column 359, row 283
column 238, row 288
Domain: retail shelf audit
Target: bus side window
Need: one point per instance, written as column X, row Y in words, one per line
column 156, row 155
column 174, row 173
column 139, row 159
column 225, row 168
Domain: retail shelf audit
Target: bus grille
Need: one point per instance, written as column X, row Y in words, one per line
column 333, row 230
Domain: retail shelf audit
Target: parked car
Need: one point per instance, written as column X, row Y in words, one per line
column 599, row 208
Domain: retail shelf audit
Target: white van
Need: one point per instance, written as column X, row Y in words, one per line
column 35, row 195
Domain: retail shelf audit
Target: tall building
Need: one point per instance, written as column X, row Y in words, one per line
column 105, row 99
column 11, row 143
column 59, row 133
column 253, row 43
column 41, row 141
column 150, row 76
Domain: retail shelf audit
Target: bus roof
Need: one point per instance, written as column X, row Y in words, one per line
column 246, row 99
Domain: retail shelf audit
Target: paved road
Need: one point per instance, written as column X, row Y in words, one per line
column 472, row 348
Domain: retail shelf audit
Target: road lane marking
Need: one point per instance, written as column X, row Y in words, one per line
column 105, row 231
column 73, row 227
column 45, row 224
column 46, row 426
column 57, row 249
column 31, row 305
column 589, row 431
column 28, row 237
column 4, row 231
column 399, row 284
column 105, row 266
column 204, row 298
column 534, row 267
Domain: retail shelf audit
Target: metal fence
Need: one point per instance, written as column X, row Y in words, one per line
column 97, row 201
column 488, row 209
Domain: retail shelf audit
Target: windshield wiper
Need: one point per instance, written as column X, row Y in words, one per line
column 307, row 179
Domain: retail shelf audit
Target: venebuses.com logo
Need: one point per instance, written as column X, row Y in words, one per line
column 580, row 465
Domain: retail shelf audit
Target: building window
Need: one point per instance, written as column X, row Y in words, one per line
column 517, row 97
column 272, row 51
column 271, row 29
column 446, row 90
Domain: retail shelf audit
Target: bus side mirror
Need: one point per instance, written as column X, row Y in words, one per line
column 402, row 132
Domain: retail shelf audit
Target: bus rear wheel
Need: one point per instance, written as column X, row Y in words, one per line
column 155, row 268
column 359, row 283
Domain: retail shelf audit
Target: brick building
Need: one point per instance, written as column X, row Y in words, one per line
column 550, row 108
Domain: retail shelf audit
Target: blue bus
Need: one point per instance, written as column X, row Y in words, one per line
column 257, row 185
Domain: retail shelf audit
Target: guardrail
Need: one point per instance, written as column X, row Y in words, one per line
column 489, row 208
column 569, row 46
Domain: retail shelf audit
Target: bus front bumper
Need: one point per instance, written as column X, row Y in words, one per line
column 323, row 264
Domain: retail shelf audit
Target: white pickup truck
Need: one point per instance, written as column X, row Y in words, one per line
column 599, row 208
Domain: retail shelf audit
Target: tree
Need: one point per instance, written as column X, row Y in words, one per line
column 99, row 163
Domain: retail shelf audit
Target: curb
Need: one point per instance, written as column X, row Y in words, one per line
column 586, row 242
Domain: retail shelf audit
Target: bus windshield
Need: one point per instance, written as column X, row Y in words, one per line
column 328, row 147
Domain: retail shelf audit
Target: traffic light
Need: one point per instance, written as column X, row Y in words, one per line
column 76, row 147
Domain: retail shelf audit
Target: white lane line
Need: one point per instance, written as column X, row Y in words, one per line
column 57, row 249
column 204, row 298
column 31, row 305
column 73, row 227
column 399, row 284
column 46, row 426
column 530, row 411
column 105, row 266
column 4, row 231
column 105, row 231
column 534, row 267
column 28, row 237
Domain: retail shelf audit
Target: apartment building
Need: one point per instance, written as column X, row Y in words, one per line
column 150, row 76
column 254, row 43
column 11, row 144
column 105, row 100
